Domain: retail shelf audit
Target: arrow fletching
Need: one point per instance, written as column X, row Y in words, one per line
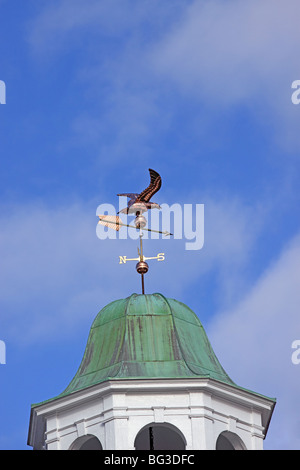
column 111, row 221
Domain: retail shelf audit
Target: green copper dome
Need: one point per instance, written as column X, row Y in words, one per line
column 146, row 336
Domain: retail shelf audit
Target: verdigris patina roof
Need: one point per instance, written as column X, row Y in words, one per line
column 146, row 336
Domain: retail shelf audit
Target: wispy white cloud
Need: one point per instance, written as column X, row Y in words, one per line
column 223, row 54
column 122, row 109
column 228, row 51
column 254, row 340
column 237, row 52
column 56, row 24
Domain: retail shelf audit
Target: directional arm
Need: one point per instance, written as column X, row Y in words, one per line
column 124, row 259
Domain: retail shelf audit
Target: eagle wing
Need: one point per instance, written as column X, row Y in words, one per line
column 132, row 197
column 154, row 186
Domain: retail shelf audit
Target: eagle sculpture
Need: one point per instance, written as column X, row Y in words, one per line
column 142, row 202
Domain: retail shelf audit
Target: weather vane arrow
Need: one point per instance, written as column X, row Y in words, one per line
column 138, row 203
column 114, row 221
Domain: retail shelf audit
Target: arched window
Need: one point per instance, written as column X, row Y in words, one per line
column 229, row 441
column 88, row 442
column 159, row 437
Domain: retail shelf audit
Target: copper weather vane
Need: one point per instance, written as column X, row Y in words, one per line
column 138, row 203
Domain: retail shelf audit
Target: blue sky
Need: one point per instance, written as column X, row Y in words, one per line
column 97, row 92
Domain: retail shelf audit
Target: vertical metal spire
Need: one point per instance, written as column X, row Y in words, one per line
column 141, row 267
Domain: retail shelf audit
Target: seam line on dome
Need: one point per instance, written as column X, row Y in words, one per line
column 124, row 335
column 177, row 338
